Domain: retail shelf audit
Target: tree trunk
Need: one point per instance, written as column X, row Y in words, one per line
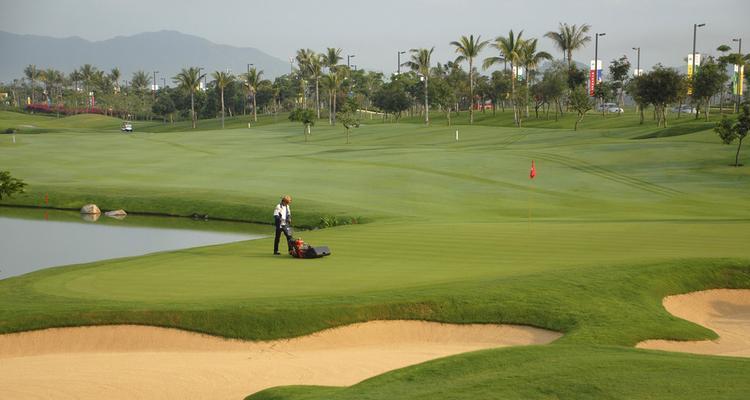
column 471, row 92
column 333, row 115
column 513, row 94
column 708, row 107
column 527, row 93
column 448, row 116
column 317, row 96
column 737, row 156
column 426, row 106
column 222, row 108
column 642, row 116
column 330, row 107
column 255, row 109
column 192, row 108
column 347, row 135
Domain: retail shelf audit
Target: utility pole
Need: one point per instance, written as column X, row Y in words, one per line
column 348, row 60
column 398, row 69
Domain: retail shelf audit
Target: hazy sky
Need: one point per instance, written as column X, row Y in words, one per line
column 375, row 30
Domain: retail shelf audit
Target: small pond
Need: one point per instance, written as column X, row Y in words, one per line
column 33, row 239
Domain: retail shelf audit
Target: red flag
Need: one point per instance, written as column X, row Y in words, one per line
column 532, row 173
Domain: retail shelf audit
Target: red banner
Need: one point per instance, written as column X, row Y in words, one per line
column 592, row 82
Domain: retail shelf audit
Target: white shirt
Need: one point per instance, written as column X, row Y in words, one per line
column 283, row 212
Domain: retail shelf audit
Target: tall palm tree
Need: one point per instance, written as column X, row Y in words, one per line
column 31, row 74
column 222, row 79
column 468, row 49
column 304, row 59
column 140, row 81
column 189, row 79
column 510, row 48
column 114, row 76
column 252, row 81
column 315, row 70
column 330, row 59
column 530, row 59
column 45, row 77
column 569, row 38
column 334, row 82
column 87, row 72
column 420, row 63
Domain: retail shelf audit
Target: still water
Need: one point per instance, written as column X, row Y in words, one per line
column 35, row 239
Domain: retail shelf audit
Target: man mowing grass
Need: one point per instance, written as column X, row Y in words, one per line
column 282, row 216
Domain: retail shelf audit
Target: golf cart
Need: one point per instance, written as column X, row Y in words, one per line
column 127, row 127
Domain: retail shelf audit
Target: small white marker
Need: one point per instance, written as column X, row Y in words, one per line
column 457, row 135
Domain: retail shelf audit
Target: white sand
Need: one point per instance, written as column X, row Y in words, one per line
column 725, row 311
column 136, row 362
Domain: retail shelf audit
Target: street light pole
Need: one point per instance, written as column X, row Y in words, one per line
column 739, row 75
column 638, row 64
column 348, row 60
column 695, row 32
column 596, row 60
column 153, row 88
column 398, row 69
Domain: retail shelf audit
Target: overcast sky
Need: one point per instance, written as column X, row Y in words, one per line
column 375, row 30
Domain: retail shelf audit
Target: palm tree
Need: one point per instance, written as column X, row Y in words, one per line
column 510, row 48
column 530, row 59
column 468, row 49
column 189, row 79
column 330, row 59
column 114, row 76
column 252, row 81
column 569, row 38
column 140, row 81
column 31, row 74
column 334, row 81
column 420, row 63
column 304, row 58
column 315, row 70
column 222, row 79
column 87, row 72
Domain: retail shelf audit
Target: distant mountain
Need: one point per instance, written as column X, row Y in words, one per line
column 163, row 51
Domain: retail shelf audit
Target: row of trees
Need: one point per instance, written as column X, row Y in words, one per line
column 320, row 82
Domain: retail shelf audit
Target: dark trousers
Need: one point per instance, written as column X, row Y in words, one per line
column 287, row 232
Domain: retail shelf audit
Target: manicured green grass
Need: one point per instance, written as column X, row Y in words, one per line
column 619, row 216
column 547, row 372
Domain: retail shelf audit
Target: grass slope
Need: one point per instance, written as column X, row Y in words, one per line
column 547, row 372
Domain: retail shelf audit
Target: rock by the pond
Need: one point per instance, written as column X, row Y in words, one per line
column 90, row 217
column 90, row 209
column 116, row 213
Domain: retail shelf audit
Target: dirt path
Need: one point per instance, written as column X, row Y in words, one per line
column 130, row 362
column 725, row 311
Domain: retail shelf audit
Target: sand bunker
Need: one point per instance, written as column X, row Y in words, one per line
column 129, row 362
column 725, row 311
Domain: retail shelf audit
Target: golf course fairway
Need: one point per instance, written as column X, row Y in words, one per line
column 422, row 228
